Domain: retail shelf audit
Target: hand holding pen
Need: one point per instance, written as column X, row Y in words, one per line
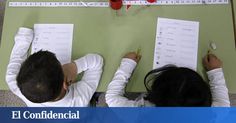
column 210, row 62
column 136, row 56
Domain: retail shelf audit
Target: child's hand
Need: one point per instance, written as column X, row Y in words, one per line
column 211, row 62
column 134, row 56
column 70, row 73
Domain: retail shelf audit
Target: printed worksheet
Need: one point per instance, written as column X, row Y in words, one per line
column 56, row 38
column 176, row 43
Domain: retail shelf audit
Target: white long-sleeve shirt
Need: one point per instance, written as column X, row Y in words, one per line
column 116, row 88
column 79, row 94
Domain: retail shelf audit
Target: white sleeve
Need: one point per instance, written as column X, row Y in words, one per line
column 92, row 65
column 23, row 39
column 116, row 88
column 218, row 87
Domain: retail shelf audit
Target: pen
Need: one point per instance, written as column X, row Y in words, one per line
column 208, row 53
column 138, row 51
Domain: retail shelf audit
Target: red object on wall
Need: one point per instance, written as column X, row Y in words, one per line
column 151, row 1
column 116, row 4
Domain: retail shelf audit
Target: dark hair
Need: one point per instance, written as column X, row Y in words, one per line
column 41, row 77
column 177, row 86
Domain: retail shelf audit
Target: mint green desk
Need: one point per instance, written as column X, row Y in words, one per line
column 234, row 6
column 101, row 30
column 234, row 2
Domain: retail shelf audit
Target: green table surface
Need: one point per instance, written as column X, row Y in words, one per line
column 234, row 2
column 234, row 6
column 103, row 31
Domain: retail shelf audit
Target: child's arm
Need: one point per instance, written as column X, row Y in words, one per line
column 218, row 87
column 92, row 65
column 116, row 88
column 70, row 73
column 23, row 39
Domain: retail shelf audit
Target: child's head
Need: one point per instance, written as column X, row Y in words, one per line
column 173, row 86
column 41, row 77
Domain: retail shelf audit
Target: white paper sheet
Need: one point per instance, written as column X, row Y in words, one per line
column 56, row 38
column 176, row 43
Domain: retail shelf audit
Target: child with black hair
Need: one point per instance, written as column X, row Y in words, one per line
column 170, row 85
column 41, row 81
